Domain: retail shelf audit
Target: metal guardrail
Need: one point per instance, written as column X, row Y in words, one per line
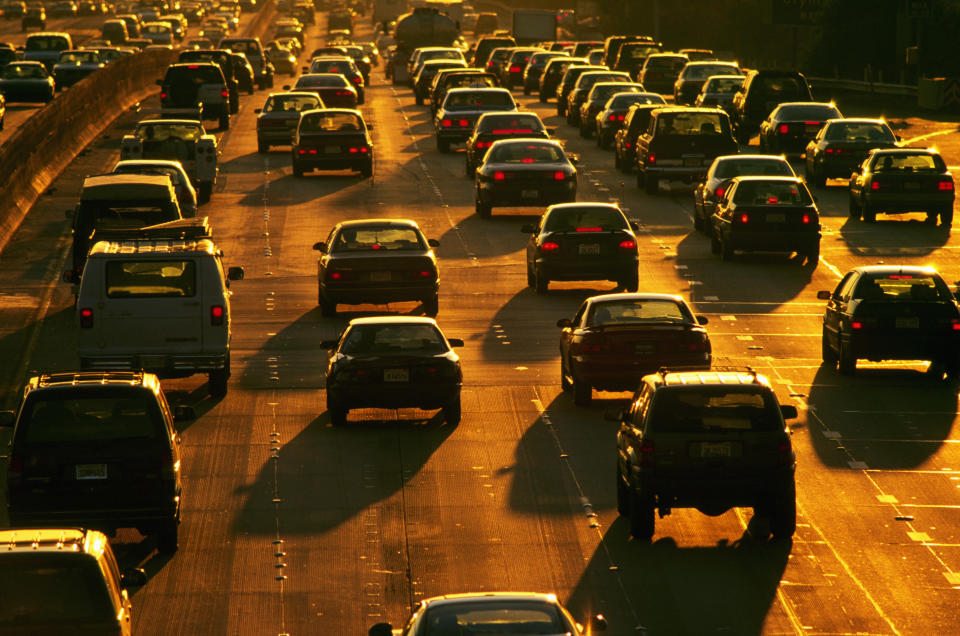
column 903, row 90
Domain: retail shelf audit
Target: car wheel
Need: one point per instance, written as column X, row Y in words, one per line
column 818, row 180
column 204, row 192
column 565, row 384
column 263, row 147
column 431, row 306
column 651, row 185
column 827, row 353
column 623, row 496
column 853, row 208
column 813, row 255
column 531, row 279
column 642, row 517
column 526, row 91
column 946, row 217
column 582, row 392
column 698, row 224
column 631, row 283
column 337, row 412
column 783, row 514
column 868, row 213
column 846, row 360
column 542, row 282
column 726, row 252
column 542, row 98
column 328, row 308
column 418, row 99
column 714, row 244
column 451, row 412
column 366, row 170
column 168, row 537
column 443, row 145
column 297, row 170
column 250, row 90
column 484, row 210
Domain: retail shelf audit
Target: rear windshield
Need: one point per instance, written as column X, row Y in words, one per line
column 387, row 339
column 624, row 101
column 194, row 74
column 591, row 219
column 163, row 132
column 504, row 617
column 723, row 85
column 104, row 415
column 908, row 163
column 280, row 103
column 714, row 409
column 474, row 81
column 858, row 131
column 753, row 167
column 478, row 100
column 151, row 279
column 636, row 51
column 510, row 123
column 24, row 71
column 330, row 122
column 113, row 215
column 601, row 93
column 772, row 193
column 46, row 43
column 690, row 123
column 526, row 153
column 440, row 55
column 783, row 88
column 51, row 589
column 638, row 312
column 817, row 112
column 331, row 80
column 703, row 71
column 385, row 238
column 666, row 63
column 331, row 66
column 80, row 57
column 242, row 46
column 900, row 287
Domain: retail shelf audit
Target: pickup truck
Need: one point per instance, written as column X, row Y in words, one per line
column 183, row 140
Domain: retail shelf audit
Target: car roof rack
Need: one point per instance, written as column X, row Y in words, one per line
column 664, row 370
column 180, row 230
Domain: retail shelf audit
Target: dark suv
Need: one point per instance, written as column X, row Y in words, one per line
column 196, row 87
column 705, row 440
column 96, row 450
column 762, row 91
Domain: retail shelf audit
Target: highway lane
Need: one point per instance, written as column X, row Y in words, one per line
column 394, row 506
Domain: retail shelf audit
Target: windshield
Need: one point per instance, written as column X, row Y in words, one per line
column 736, row 167
column 79, row 57
column 46, row 43
column 700, row 72
column 151, row 279
column 509, row 124
column 393, row 339
column 723, row 85
column 163, row 132
column 377, row 239
column 331, row 80
column 816, row 112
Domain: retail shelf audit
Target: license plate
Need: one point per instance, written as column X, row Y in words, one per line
column 776, row 217
column 379, row 277
column 530, row 194
column 908, row 323
column 812, row 128
column 91, row 471
column 692, row 162
column 153, row 362
column 332, row 150
column 396, row 375
column 716, row 449
column 643, row 348
column 589, row 249
column 911, row 185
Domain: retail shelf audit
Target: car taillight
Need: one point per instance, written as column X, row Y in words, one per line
column 856, row 324
column 812, row 123
column 224, row 93
column 86, row 318
column 344, row 93
column 628, row 145
column 744, row 218
column 628, row 244
column 424, row 273
column 446, row 123
column 549, row 246
column 621, row 117
column 875, row 185
column 463, row 122
column 216, row 315
column 356, row 150
column 945, row 186
column 592, row 228
column 651, row 158
column 784, row 129
column 336, row 275
column 515, row 69
column 647, row 456
column 358, row 79
column 612, row 118
column 163, row 95
column 499, row 176
column 955, row 324
column 559, row 175
column 720, row 192
column 785, row 451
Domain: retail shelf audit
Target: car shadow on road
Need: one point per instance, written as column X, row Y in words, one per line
column 661, row 589
column 496, row 236
column 893, row 237
column 287, row 190
column 887, row 418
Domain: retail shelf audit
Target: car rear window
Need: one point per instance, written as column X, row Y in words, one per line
column 690, row 123
column 330, row 122
column 783, row 88
column 280, row 103
column 699, row 72
column 385, row 238
column 151, row 279
column 510, row 123
column 900, row 287
column 46, row 43
column 858, row 131
column 819, row 112
column 393, row 338
column 163, row 132
column 331, row 66
column 708, row 409
column 771, row 193
column 638, row 312
column 601, row 92
column 723, row 85
column 735, row 167
column 636, row 51
column 908, row 163
column 79, row 57
column 102, row 416
column 526, row 153
column 24, row 71
column 195, row 74
column 331, row 80
column 591, row 219
column 507, row 617
column 471, row 100
column 672, row 63
column 51, row 589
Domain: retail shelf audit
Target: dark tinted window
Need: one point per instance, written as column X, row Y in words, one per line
column 385, row 238
column 587, row 218
column 108, row 414
column 512, row 122
column 900, row 162
column 526, row 153
column 507, row 617
column 899, row 287
column 858, row 131
column 713, row 409
column 784, row 88
column 474, row 100
column 195, row 74
column 638, row 312
column 690, row 123
column 771, row 193
column 730, row 168
column 46, row 43
column 818, row 112
column 393, row 338
column 55, row 589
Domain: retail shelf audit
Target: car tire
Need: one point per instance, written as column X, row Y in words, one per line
column 541, row 282
column 868, row 214
column 846, row 360
column 297, row 170
column 714, row 244
column 418, row 100
column 651, row 185
column 617, row 163
column 338, row 413
column 582, row 392
column 827, row 354
column 451, row 412
column 263, row 148
column 250, row 90
column 565, row 384
column 623, row 496
column 204, row 192
column 631, row 283
column 853, row 208
column 366, row 171
column 431, row 306
column 642, row 517
column 813, row 255
column 946, row 217
column 698, row 223
column 641, row 179
column 531, row 279
column 726, row 251
column 224, row 122
column 328, row 309
column 168, row 537
column 526, row 91
column 218, row 378
column 484, row 210
column 542, row 98
column 443, row 145
column 783, row 514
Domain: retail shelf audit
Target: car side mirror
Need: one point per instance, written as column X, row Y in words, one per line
column 235, row 273
column 134, row 577
column 552, row 131
column 789, row 411
column 702, row 320
column 381, row 629
column 70, row 276
column 433, row 242
column 320, row 246
column 7, row 418
column 614, row 415
column 455, row 342
column 824, row 295
column 257, row 110
column 286, row 87
column 528, row 228
column 184, row 413
column 634, row 226
column 564, row 323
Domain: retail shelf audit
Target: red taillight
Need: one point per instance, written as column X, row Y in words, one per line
column 784, row 129
column 463, row 122
column 621, row 117
column 549, row 246
column 86, row 318
column 357, row 80
column 785, row 450
column 559, row 175
column 216, row 315
column 856, row 324
column 806, row 218
column 163, row 95
column 772, row 200
column 651, row 158
column 515, row 69
column 646, row 453
column 499, row 176
column 483, row 144
column 612, row 118
column 628, row 244
column 589, row 229
column 224, row 93
column 945, row 186
column 335, row 275
column 193, row 67
column 446, row 123
column 874, row 185
column 424, row 273
column 344, row 93
column 720, row 192
column 812, row 123
column 744, row 218
column 955, row 324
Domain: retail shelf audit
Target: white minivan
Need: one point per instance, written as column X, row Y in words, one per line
column 157, row 304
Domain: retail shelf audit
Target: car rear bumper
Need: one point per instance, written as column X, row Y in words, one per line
column 715, row 489
column 532, row 193
column 772, row 241
column 276, row 136
column 355, row 294
column 335, row 162
column 905, row 344
column 589, row 268
column 678, row 173
column 455, row 135
column 390, row 395
column 161, row 364
column 909, row 201
column 106, row 519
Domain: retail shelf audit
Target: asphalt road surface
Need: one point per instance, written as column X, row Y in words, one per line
column 293, row 527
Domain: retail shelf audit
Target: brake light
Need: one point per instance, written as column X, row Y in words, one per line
column 527, row 160
column 856, row 324
column 344, row 93
column 358, row 79
column 424, row 273
column 549, row 246
column 446, row 123
column 720, row 192
column 483, row 144
column 621, row 117
column 955, row 324
column 589, row 229
column 875, row 185
column 559, row 175
column 945, row 186
column 628, row 244
column 628, row 145
column 335, row 275
column 651, row 158
column 612, row 118
column 515, row 69
column 901, row 277
column 772, row 200
column 784, row 129
column 812, row 123
column 163, row 95
column 193, row 67
column 224, row 93
column 744, row 218
column 464, row 122
column 499, row 176
column 806, row 218
column 216, row 315
column 86, row 318
column 646, row 449
column 785, row 450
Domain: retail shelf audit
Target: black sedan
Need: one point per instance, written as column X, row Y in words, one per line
column 277, row 121
column 635, row 123
column 524, row 172
column 582, row 241
column 842, row 145
column 341, row 66
column 393, row 362
column 493, row 126
column 26, row 82
column 792, row 125
column 611, row 118
column 332, row 139
column 377, row 261
column 892, row 312
column 899, row 180
column 615, row 339
column 597, row 99
column 462, row 107
column 722, row 171
column 767, row 214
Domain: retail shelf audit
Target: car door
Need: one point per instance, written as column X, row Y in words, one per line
column 836, row 310
column 566, row 334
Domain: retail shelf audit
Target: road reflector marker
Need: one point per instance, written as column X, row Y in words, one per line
column 890, row 499
column 919, row 536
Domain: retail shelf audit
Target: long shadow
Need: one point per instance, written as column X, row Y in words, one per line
column 248, row 163
column 500, row 233
column 887, row 418
column 661, row 589
column 892, row 237
column 286, row 190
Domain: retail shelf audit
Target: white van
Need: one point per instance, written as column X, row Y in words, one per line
column 157, row 304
